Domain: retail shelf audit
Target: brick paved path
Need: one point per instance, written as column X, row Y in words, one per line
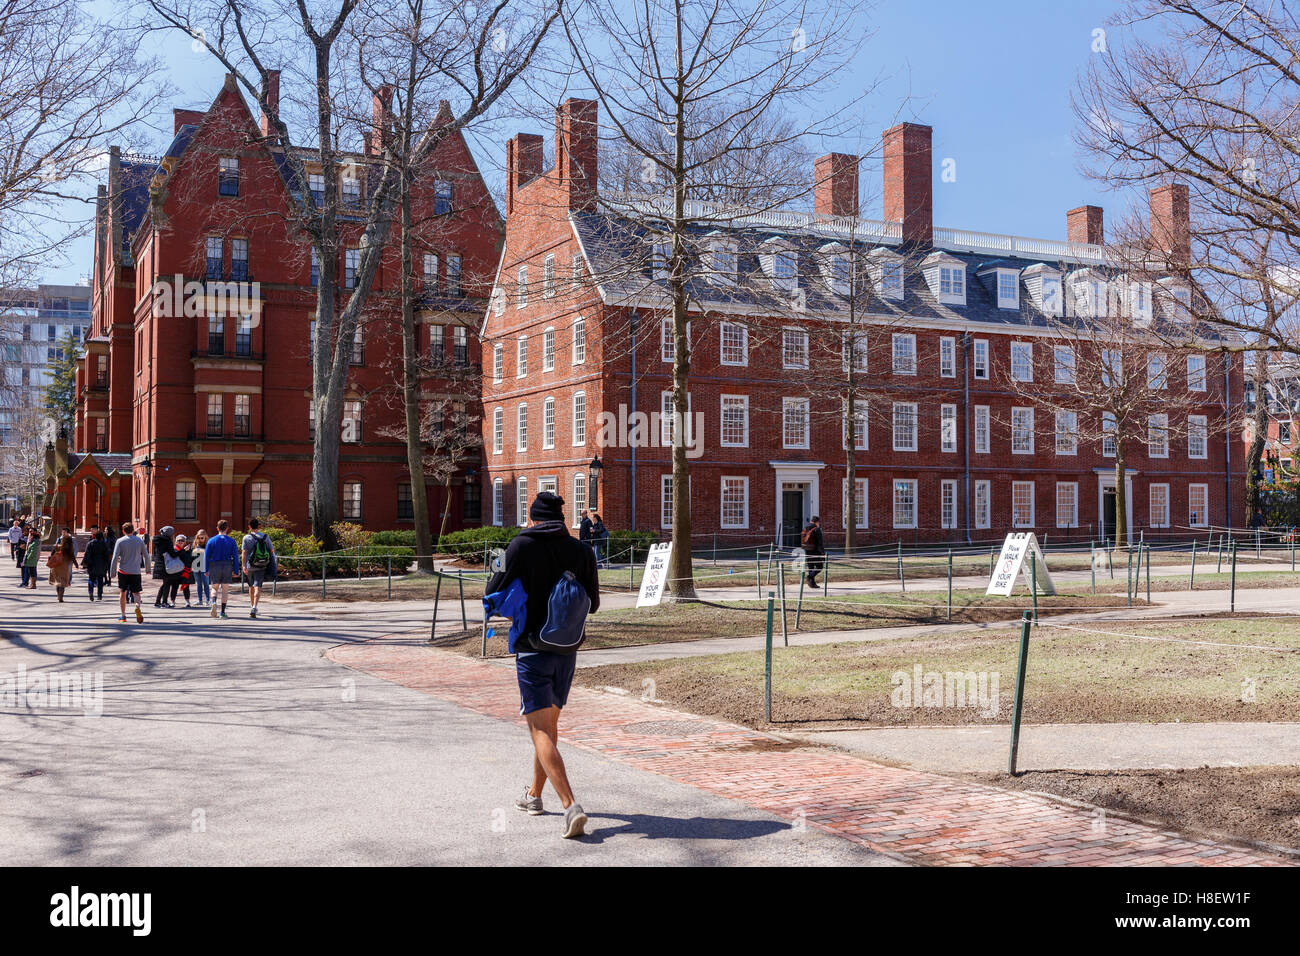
column 918, row 817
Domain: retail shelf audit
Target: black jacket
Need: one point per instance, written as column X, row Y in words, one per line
column 161, row 545
column 815, row 546
column 584, row 530
column 538, row 557
column 97, row 558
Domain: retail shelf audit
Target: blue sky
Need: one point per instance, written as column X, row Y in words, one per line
column 993, row 79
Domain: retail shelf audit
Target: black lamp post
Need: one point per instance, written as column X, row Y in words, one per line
column 593, row 483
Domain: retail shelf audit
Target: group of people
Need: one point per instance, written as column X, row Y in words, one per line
column 183, row 568
column 593, row 533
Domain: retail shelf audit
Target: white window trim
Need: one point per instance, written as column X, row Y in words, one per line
column 1151, row 489
column 1026, row 348
column 579, row 434
column 982, row 412
column 722, row 344
column 845, row 505
column 1073, row 521
column 947, row 414
column 945, row 522
column 1032, row 504
column 1056, row 444
column 893, row 501
column 984, row 522
column 1032, row 430
column 722, row 511
column 1201, row 424
column 722, row 409
column 894, row 425
column 893, row 352
column 785, row 360
column 949, row 344
column 1205, row 518
column 786, row 405
column 978, row 346
column 548, row 429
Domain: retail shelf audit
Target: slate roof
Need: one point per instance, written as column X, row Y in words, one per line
column 108, row 463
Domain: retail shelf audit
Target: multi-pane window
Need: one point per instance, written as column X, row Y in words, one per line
column 472, row 502
column 948, row 357
column 1067, row 504
column 575, row 271
column 351, row 265
column 722, row 261
column 243, row 415
column 316, row 185
column 735, row 421
column 1112, row 367
column 498, row 430
column 548, row 350
column 948, row 428
column 1067, row 432
column 735, row 344
column 859, row 425
column 215, row 255
column 352, row 501
column 548, row 423
column 1022, row 431
column 579, row 496
column 1198, row 505
column 498, row 502
column 982, row 504
column 1108, row 430
column 239, row 260
column 453, row 275
column 244, row 335
column 853, row 350
column 548, row 277
column 352, row 421
column 794, row 348
column 521, row 427
column 891, row 279
column 216, row 413
column 904, row 426
column 101, row 434
column 668, row 418
column 904, row 352
column 1008, row 289
column 1022, row 504
column 351, row 190
column 1197, row 436
column 441, row 197
column 521, row 357
column 228, row 176
column 437, row 344
column 521, row 501
column 1158, row 436
column 1063, row 364
column 216, row 334
column 405, row 506
column 579, row 340
column 579, row 418
column 1157, row 372
column 735, row 502
column 1022, row 361
column 904, row 503
column 314, row 275
column 665, row 501
column 952, row 281
column 259, row 499
column 859, row 507
column 981, row 359
column 521, row 287
column 187, row 501
column 1196, row 373
column 794, row 430
column 785, row 269
column 981, row 429
column 1158, row 506
column 431, row 271
column 948, row 504
column 358, row 354
column 460, row 344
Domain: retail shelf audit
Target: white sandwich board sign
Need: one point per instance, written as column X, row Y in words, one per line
column 1011, row 564
column 655, row 575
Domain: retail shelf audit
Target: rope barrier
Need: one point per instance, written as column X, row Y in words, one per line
column 1173, row 640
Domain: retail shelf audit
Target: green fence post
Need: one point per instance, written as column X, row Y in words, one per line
column 358, row 564
column 1092, row 563
column 780, row 576
column 1130, row 577
column 1232, row 598
column 767, row 664
column 990, row 562
column 437, row 597
column 1110, row 561
column 1148, row 573
column 902, row 578
column 460, row 586
column 900, row 561
column 758, row 572
column 826, row 577
column 322, row 577
column 1218, row 569
column 1020, row 693
column 1191, row 582
column 1257, row 544
column 390, row 577
column 950, row 585
column 631, row 568
column 715, row 549
column 1293, row 549
column 798, row 609
column 1033, row 584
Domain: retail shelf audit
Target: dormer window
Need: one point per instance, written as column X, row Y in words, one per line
column 946, row 276
column 781, row 263
column 1139, row 301
column 1089, row 293
column 722, row 261
column 1043, row 283
column 1008, row 289
column 834, row 261
column 887, row 273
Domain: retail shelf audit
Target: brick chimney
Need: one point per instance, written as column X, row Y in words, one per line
column 1085, row 225
column 1171, row 226
column 185, row 118
column 835, row 185
column 381, row 120
column 908, row 195
column 575, row 152
column 523, row 163
column 270, row 93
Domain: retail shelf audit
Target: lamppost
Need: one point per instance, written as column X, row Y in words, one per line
column 593, row 483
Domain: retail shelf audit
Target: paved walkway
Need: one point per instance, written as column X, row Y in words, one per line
column 905, row 814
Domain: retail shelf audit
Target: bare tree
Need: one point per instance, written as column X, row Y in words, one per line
column 696, row 93
column 473, row 54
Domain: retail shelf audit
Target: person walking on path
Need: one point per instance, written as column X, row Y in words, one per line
column 95, row 563
column 584, row 528
column 62, row 559
column 258, row 561
column 130, row 560
column 31, row 559
column 15, row 536
column 186, row 555
column 220, row 556
column 600, row 538
column 538, row 558
column 202, row 593
column 162, row 548
column 814, row 547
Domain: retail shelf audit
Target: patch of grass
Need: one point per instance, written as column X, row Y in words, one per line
column 1073, row 676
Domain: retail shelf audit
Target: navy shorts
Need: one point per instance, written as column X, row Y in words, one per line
column 544, row 679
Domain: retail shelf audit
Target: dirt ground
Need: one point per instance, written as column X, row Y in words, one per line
column 1253, row 803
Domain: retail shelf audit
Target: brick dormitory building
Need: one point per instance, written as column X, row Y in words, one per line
column 577, row 341
column 186, row 419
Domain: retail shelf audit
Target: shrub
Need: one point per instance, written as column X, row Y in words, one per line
column 471, row 541
column 401, row 539
column 622, row 541
column 351, row 535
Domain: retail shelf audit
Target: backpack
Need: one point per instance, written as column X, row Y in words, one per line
column 807, row 540
column 566, row 617
column 261, row 555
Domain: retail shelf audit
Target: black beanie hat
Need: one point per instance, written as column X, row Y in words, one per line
column 547, row 506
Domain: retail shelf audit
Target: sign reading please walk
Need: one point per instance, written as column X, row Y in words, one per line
column 1011, row 563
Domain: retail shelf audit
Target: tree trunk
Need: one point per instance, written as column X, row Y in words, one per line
column 1122, row 536
column 1255, row 455
column 851, row 460
column 411, row 395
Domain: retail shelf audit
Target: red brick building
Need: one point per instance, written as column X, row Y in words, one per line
column 214, row 408
column 576, row 357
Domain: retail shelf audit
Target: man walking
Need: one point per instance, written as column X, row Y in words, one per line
column 15, row 535
column 815, row 549
column 221, row 554
column 538, row 558
column 258, row 554
column 130, row 559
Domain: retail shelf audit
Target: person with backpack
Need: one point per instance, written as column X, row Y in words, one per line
column 814, row 548
column 547, row 585
column 31, row 559
column 130, row 559
column 220, row 555
column 258, row 561
column 95, row 563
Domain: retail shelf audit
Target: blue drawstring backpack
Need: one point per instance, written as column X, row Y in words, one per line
column 566, row 617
